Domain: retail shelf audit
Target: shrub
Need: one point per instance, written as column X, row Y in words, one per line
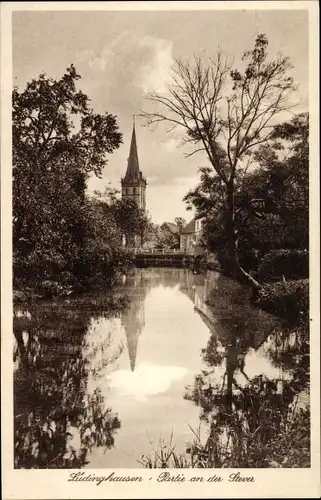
column 287, row 299
column 293, row 264
column 50, row 288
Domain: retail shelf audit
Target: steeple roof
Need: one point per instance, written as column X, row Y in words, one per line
column 132, row 344
column 133, row 174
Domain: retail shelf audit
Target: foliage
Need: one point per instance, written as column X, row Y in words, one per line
column 280, row 182
column 167, row 238
column 180, row 223
column 288, row 263
column 58, row 418
column 288, row 299
column 129, row 217
column 58, row 142
column 156, row 236
column 289, row 449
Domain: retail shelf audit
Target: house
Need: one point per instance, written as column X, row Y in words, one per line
column 171, row 227
column 190, row 238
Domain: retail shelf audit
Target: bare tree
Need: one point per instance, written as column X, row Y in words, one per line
column 227, row 114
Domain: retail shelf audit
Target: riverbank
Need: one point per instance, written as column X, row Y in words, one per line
column 286, row 298
column 67, row 285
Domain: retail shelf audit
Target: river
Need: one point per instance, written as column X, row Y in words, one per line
column 104, row 389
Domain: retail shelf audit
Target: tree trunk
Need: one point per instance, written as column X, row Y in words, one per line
column 237, row 270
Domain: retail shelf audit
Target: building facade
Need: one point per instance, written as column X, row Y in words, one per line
column 190, row 238
column 133, row 186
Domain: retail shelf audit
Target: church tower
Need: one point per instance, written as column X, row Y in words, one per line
column 133, row 185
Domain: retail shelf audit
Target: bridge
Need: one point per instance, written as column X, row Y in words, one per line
column 161, row 257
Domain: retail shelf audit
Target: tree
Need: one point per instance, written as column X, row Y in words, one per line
column 167, row 238
column 227, row 113
column 287, row 176
column 151, row 236
column 280, row 182
column 52, row 160
column 180, row 223
column 131, row 219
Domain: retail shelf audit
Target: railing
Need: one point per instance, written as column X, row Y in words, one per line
column 160, row 251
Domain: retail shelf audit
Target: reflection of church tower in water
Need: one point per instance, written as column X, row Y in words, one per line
column 133, row 320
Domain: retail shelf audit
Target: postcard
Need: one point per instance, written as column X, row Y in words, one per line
column 160, row 250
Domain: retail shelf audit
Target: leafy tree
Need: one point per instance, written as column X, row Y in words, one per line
column 129, row 217
column 227, row 113
column 180, row 222
column 157, row 236
column 152, row 236
column 168, row 239
column 126, row 214
column 287, row 177
column 58, row 141
column 279, row 183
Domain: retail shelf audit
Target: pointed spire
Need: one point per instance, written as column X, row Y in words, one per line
column 132, row 173
column 132, row 344
column 133, row 320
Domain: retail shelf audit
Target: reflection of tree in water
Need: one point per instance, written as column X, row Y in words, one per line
column 290, row 349
column 56, row 422
column 255, row 423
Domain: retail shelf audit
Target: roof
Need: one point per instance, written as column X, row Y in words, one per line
column 171, row 226
column 133, row 173
column 189, row 228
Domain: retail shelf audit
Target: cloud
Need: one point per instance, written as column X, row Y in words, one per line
column 146, row 380
column 96, row 62
column 132, row 62
column 155, row 75
column 172, row 144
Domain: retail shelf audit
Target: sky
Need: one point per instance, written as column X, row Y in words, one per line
column 122, row 55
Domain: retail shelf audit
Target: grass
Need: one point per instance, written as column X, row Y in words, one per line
column 165, row 454
column 290, row 448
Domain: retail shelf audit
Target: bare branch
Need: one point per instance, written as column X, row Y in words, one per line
column 194, row 152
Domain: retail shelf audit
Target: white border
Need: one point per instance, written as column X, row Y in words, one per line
column 52, row 484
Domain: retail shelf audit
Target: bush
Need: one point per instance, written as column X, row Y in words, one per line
column 287, row 299
column 293, row 264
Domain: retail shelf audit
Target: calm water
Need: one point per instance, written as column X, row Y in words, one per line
column 95, row 388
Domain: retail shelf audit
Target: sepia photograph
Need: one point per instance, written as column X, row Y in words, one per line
column 160, row 240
